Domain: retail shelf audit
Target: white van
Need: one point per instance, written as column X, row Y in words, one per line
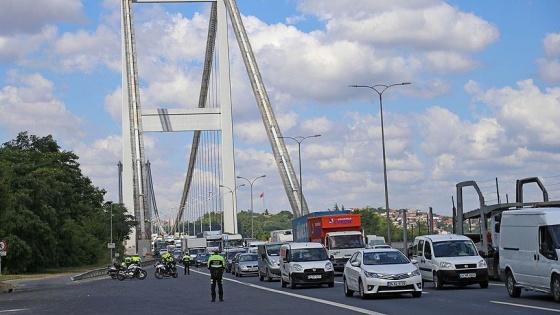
column 305, row 263
column 529, row 251
column 449, row 259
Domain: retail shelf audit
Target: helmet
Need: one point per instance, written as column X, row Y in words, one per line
column 127, row 259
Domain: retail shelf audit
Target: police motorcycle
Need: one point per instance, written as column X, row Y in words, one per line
column 133, row 271
column 113, row 270
column 163, row 271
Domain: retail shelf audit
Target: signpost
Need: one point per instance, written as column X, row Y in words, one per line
column 3, row 248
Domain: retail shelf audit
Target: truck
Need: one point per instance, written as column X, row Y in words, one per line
column 277, row 236
column 375, row 240
column 488, row 219
column 232, row 240
column 339, row 231
column 214, row 240
column 194, row 246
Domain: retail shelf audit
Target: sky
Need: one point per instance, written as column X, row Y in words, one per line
column 483, row 103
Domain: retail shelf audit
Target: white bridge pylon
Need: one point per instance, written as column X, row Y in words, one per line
column 136, row 121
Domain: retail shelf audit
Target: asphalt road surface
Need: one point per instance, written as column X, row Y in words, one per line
column 247, row 295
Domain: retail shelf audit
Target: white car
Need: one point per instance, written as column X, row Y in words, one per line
column 381, row 271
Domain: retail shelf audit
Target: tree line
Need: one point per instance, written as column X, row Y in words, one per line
column 51, row 215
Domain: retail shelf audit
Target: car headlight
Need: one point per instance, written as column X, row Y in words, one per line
column 328, row 266
column 298, row 267
column 371, row 274
column 414, row 273
column 446, row 265
column 482, row 264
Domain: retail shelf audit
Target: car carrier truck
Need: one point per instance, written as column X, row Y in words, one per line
column 488, row 219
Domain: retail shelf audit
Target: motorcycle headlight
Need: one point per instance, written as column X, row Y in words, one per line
column 446, row 265
column 482, row 264
column 298, row 267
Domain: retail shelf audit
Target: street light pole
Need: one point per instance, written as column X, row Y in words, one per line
column 111, row 206
column 299, row 140
column 232, row 203
column 382, row 88
column 251, row 184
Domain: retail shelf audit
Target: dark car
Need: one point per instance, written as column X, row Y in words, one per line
column 201, row 259
column 234, row 262
column 230, row 254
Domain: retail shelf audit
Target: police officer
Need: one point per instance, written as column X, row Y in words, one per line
column 187, row 263
column 136, row 260
column 216, row 265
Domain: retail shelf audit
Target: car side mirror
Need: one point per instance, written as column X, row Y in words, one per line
column 428, row 255
column 355, row 264
column 414, row 261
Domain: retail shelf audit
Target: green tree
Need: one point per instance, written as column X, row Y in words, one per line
column 50, row 212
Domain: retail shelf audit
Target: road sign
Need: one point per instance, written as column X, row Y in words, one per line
column 2, row 253
column 110, row 245
column 3, row 245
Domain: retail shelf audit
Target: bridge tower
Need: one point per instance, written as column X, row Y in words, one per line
column 136, row 121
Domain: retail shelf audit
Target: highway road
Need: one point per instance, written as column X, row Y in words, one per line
column 247, row 295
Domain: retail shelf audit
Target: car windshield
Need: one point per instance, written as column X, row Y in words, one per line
column 384, row 258
column 454, row 248
column 346, row 241
column 195, row 251
column 309, row 254
column 202, row 256
column 273, row 250
column 232, row 254
column 247, row 257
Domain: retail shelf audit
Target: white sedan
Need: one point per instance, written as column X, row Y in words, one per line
column 381, row 271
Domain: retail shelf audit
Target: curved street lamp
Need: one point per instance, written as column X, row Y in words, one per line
column 299, row 140
column 251, row 182
column 380, row 88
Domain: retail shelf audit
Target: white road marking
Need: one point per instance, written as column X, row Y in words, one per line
column 14, row 310
column 528, row 306
column 344, row 306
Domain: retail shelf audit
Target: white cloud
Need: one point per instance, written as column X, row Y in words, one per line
column 549, row 65
column 28, row 104
column 29, row 16
column 551, row 45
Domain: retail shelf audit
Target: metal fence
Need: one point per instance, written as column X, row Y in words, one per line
column 103, row 271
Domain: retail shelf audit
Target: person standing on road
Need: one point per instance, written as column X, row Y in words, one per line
column 187, row 263
column 216, row 265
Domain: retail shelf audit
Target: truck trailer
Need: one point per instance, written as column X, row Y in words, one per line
column 339, row 231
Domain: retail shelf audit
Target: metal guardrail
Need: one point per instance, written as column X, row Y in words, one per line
column 103, row 271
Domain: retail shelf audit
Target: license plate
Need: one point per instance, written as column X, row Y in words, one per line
column 314, row 277
column 396, row 283
column 467, row 275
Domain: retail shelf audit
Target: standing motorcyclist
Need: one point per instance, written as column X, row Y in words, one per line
column 187, row 262
column 216, row 265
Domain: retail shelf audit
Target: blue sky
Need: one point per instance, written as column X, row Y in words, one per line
column 483, row 104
